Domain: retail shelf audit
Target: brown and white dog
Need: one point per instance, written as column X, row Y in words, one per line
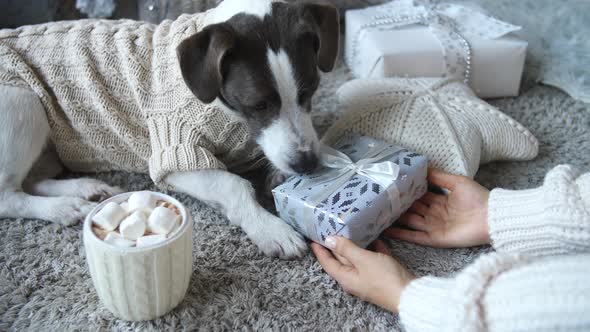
column 276, row 73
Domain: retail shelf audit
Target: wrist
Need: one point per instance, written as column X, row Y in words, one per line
column 406, row 280
column 485, row 236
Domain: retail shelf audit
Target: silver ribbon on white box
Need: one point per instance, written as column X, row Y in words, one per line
column 342, row 168
column 451, row 24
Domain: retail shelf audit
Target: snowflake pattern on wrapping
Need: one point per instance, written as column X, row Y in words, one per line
column 360, row 209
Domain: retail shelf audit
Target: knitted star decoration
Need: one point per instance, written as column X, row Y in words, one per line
column 442, row 119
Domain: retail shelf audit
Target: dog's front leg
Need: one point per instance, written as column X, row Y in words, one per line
column 235, row 196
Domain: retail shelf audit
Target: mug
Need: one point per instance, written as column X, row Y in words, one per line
column 138, row 284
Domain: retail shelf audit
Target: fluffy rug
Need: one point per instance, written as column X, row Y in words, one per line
column 45, row 284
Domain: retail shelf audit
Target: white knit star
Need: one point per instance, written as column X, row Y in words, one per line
column 443, row 120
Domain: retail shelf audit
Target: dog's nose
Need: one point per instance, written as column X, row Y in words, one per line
column 305, row 162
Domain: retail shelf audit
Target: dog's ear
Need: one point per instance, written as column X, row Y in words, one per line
column 201, row 57
column 324, row 18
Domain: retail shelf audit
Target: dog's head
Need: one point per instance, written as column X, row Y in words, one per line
column 262, row 63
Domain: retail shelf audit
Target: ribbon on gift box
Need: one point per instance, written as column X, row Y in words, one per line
column 451, row 24
column 341, row 169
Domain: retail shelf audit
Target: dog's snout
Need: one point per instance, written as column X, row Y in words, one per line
column 305, row 162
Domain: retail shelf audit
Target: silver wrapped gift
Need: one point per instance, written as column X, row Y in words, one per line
column 363, row 187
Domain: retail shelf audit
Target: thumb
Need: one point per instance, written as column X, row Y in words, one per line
column 346, row 248
column 443, row 179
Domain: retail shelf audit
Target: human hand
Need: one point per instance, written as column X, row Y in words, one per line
column 458, row 219
column 371, row 276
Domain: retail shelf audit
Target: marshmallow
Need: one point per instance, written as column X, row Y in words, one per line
column 174, row 229
column 170, row 206
column 117, row 240
column 162, row 220
column 109, row 216
column 150, row 240
column 101, row 233
column 133, row 226
column 125, row 206
column 142, row 200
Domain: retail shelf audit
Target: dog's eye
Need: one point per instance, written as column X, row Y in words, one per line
column 261, row 106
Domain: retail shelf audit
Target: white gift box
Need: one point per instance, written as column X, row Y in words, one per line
column 403, row 39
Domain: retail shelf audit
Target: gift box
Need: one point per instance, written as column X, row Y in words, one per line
column 403, row 39
column 363, row 187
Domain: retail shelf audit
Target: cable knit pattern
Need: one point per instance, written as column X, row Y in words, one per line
column 442, row 119
column 141, row 285
column 552, row 219
column 115, row 97
column 453, row 304
column 503, row 292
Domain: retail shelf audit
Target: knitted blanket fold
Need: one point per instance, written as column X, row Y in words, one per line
column 116, row 100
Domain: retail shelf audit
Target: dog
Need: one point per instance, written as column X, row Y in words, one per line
column 258, row 61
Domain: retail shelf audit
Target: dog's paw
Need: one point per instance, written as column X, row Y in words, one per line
column 274, row 179
column 69, row 211
column 93, row 190
column 277, row 239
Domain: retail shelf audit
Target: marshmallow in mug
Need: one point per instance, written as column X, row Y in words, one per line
column 141, row 200
column 117, row 240
column 109, row 217
column 140, row 221
column 162, row 220
column 133, row 227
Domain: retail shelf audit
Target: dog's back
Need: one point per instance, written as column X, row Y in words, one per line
column 83, row 72
column 98, row 80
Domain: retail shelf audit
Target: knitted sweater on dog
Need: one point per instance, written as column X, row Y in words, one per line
column 116, row 99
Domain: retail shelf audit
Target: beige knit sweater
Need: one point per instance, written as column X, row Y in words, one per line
column 538, row 279
column 116, row 100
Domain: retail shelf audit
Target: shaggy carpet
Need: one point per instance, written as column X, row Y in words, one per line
column 45, row 284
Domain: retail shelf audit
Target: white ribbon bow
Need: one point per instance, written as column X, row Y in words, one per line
column 383, row 173
column 451, row 24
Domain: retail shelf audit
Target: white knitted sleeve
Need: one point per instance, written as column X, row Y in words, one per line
column 453, row 304
column 552, row 219
column 502, row 292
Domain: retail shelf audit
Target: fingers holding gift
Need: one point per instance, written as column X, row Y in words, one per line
column 413, row 221
column 431, row 199
column 342, row 259
column 430, row 207
column 381, row 247
column 419, row 208
column 333, row 267
column 418, row 237
column 347, row 249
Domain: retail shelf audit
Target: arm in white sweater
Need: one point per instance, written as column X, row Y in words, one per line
column 551, row 219
column 503, row 292
column 510, row 290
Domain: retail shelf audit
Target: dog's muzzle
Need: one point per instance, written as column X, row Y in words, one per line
column 305, row 162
